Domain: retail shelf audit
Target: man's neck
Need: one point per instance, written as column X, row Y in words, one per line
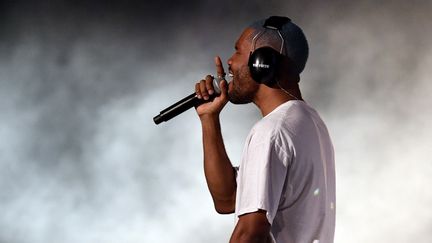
column 267, row 99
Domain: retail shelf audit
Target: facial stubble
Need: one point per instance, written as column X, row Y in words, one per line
column 244, row 87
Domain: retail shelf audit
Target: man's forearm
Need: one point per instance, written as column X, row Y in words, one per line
column 218, row 169
column 250, row 238
column 252, row 228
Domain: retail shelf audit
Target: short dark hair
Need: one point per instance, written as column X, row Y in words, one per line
column 296, row 47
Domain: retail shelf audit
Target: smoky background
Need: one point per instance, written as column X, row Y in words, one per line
column 80, row 81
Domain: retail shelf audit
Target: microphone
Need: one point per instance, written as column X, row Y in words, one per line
column 185, row 104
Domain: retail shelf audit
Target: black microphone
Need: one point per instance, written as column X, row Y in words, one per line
column 185, row 104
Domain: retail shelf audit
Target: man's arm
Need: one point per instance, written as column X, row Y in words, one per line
column 219, row 173
column 252, row 228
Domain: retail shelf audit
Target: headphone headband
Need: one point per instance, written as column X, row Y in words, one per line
column 264, row 61
column 276, row 22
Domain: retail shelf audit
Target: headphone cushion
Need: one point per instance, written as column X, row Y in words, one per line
column 262, row 65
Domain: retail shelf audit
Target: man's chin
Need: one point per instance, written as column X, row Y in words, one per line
column 234, row 98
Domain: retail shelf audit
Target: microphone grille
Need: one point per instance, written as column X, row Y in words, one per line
column 216, row 85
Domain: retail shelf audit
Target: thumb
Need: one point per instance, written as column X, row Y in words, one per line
column 224, row 88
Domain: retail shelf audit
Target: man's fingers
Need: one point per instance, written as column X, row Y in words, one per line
column 209, row 84
column 203, row 89
column 219, row 68
column 198, row 90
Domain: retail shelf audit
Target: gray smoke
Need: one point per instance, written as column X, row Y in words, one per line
column 82, row 161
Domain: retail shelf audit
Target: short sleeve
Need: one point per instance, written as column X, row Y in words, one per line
column 261, row 176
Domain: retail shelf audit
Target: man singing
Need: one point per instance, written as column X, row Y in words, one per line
column 284, row 188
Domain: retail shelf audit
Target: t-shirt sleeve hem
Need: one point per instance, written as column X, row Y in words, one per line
column 255, row 209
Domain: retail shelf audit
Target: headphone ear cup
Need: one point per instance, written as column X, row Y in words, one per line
column 262, row 65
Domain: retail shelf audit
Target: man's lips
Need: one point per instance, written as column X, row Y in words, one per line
column 230, row 73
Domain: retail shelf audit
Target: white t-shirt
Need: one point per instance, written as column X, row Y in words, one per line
column 287, row 169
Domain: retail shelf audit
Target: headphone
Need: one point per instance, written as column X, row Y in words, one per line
column 263, row 62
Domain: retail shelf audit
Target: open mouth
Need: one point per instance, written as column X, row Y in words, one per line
column 231, row 75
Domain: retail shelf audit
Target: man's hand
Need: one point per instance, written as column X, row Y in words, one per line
column 218, row 170
column 204, row 89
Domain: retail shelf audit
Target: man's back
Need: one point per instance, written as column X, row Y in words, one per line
column 288, row 170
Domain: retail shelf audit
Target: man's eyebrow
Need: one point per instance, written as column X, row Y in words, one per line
column 236, row 46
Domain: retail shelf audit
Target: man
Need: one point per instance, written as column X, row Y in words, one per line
column 284, row 188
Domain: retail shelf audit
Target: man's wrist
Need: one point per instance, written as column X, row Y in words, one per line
column 210, row 117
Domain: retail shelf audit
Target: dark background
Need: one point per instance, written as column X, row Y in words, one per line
column 82, row 161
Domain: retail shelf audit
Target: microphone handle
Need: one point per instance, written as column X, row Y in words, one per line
column 179, row 107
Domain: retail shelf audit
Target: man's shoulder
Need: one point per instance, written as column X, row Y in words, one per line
column 285, row 116
column 290, row 120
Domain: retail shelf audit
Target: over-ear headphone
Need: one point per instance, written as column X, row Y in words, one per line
column 263, row 62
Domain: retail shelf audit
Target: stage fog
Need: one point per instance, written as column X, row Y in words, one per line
column 82, row 161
